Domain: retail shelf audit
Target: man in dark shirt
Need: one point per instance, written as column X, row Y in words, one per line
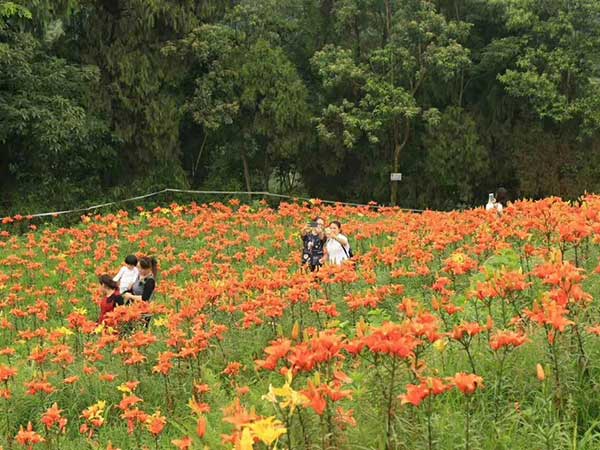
column 313, row 240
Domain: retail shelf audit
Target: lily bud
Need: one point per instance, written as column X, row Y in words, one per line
column 295, row 330
column 540, row 372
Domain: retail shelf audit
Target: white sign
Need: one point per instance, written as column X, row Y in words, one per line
column 395, row 177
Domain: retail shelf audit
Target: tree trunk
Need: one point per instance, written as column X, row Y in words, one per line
column 394, row 193
column 327, row 22
column 266, row 172
column 388, row 20
column 398, row 147
column 357, row 35
column 197, row 163
column 246, row 171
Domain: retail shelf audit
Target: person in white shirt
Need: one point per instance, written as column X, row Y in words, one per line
column 128, row 274
column 498, row 202
column 491, row 204
column 336, row 248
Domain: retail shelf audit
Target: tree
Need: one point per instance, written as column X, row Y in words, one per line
column 247, row 88
column 556, row 69
column 456, row 161
column 381, row 97
column 53, row 146
column 10, row 11
column 320, row 97
column 124, row 40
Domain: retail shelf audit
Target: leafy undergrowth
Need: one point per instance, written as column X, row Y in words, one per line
column 447, row 330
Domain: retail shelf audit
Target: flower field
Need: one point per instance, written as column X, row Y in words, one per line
column 446, row 331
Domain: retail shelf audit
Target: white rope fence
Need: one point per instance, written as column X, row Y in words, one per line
column 189, row 191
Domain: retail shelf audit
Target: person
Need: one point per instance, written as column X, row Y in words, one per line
column 143, row 288
column 501, row 199
column 307, row 229
column 497, row 203
column 110, row 289
column 128, row 274
column 313, row 240
column 337, row 248
column 491, row 203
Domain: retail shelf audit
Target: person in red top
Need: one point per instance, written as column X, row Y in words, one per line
column 110, row 289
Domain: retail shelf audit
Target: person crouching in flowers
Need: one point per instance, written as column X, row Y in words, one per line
column 110, row 289
column 128, row 274
column 143, row 288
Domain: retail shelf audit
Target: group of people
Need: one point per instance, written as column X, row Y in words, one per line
column 323, row 244
column 135, row 282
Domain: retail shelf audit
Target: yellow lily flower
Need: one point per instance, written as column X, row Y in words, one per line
column 291, row 398
column 64, row 331
column 440, row 345
column 246, row 442
column 160, row 322
column 81, row 311
column 267, row 430
column 124, row 388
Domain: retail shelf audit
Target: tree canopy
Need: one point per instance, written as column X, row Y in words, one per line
column 324, row 98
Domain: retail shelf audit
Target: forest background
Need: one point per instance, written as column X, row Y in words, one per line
column 103, row 99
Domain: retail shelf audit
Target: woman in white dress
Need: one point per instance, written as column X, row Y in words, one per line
column 336, row 248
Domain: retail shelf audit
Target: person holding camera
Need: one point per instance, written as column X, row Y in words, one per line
column 313, row 240
column 337, row 247
column 497, row 203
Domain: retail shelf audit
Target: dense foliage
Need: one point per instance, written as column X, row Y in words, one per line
column 445, row 331
column 101, row 98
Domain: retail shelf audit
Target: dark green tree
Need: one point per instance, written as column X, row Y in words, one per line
column 54, row 150
column 379, row 94
column 247, row 89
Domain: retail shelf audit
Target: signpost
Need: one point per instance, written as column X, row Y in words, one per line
column 395, row 176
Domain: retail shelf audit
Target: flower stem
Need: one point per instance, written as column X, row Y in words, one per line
column 390, row 398
column 429, row 430
column 303, row 427
column 467, row 423
column 556, row 376
column 466, row 345
column 498, row 385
